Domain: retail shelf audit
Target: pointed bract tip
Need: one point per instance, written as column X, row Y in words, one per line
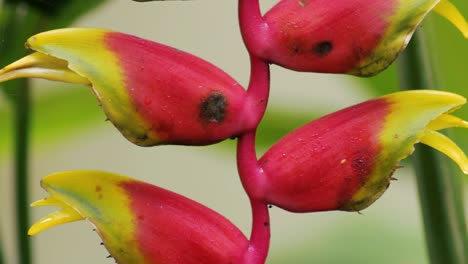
column 65, row 215
column 427, row 99
column 446, row 9
column 60, row 186
column 64, row 36
column 445, row 145
column 39, row 65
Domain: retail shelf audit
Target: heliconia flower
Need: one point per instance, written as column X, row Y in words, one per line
column 139, row 222
column 152, row 93
column 360, row 37
column 345, row 160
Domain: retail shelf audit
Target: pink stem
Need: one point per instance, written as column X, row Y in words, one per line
column 251, row 176
column 259, row 87
column 254, row 30
column 260, row 237
column 250, row 172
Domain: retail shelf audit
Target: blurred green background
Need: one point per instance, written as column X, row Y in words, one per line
column 69, row 132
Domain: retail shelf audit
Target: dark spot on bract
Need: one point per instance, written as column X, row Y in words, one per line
column 323, row 48
column 296, row 50
column 213, row 108
column 99, row 192
column 266, row 224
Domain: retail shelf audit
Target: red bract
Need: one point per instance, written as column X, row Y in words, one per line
column 141, row 223
column 152, row 93
column 360, row 37
column 324, row 35
column 344, row 161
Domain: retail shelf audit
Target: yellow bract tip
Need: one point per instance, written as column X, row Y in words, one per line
column 39, row 65
column 446, row 9
column 447, row 146
column 447, row 121
column 66, row 215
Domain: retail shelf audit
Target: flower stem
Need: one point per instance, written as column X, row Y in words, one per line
column 439, row 190
column 259, row 87
column 260, row 236
column 251, row 176
column 247, row 164
column 253, row 28
column 249, row 171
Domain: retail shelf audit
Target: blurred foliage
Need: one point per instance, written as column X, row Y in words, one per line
column 79, row 111
column 48, row 8
column 393, row 247
column 59, row 13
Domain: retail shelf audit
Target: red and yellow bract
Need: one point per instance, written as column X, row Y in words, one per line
column 344, row 161
column 152, row 93
column 139, row 222
column 360, row 37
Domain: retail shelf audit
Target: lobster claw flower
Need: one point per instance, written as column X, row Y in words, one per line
column 360, row 37
column 345, row 160
column 152, row 93
column 141, row 223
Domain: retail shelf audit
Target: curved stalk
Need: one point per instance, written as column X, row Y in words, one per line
column 252, row 25
column 249, row 171
column 251, row 175
column 260, row 236
column 254, row 30
column 259, row 86
column 440, row 191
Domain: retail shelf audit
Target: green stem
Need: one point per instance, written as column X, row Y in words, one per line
column 440, row 191
column 17, row 24
column 2, row 257
column 22, row 121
